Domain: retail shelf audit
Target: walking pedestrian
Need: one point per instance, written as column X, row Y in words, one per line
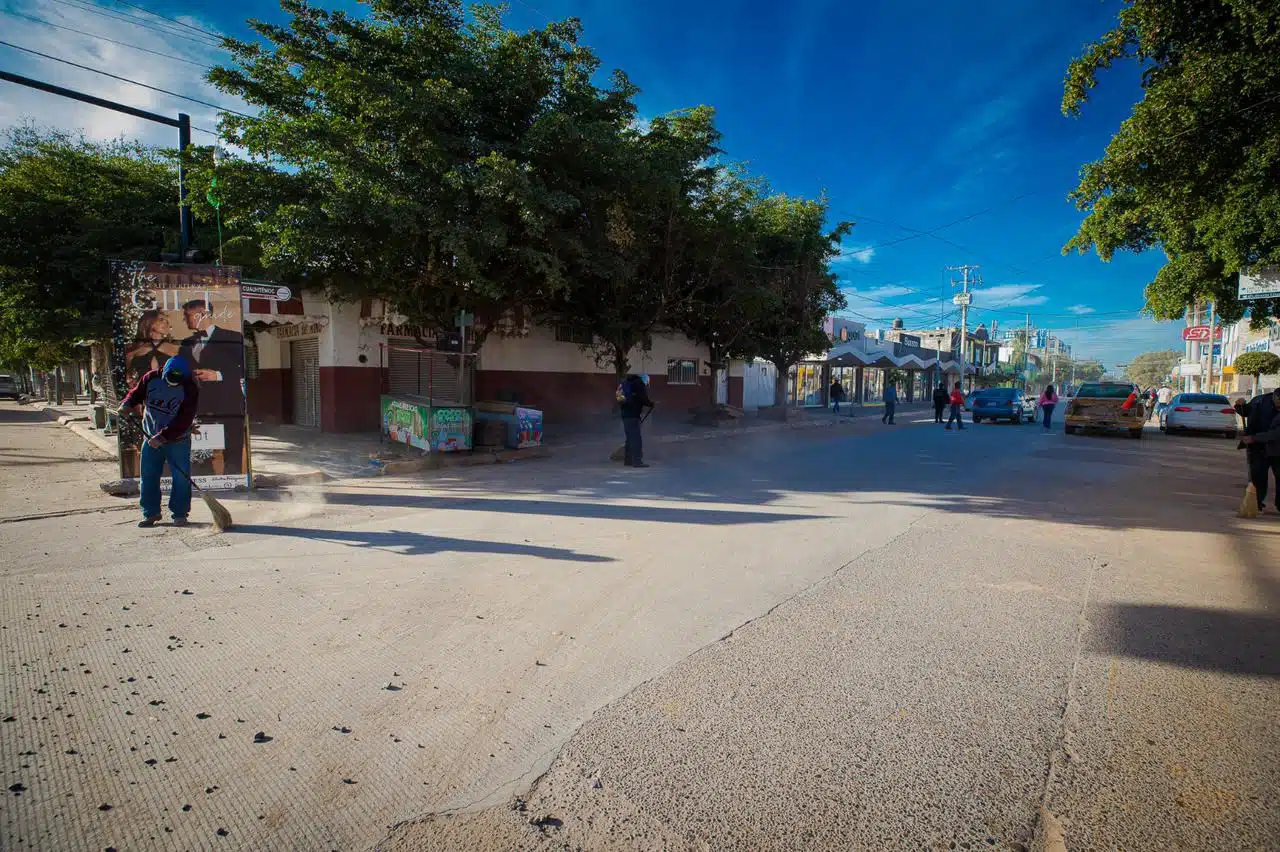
column 633, row 400
column 890, row 403
column 1262, row 442
column 837, row 394
column 167, row 399
column 1048, row 400
column 957, row 404
column 940, row 400
column 1164, row 396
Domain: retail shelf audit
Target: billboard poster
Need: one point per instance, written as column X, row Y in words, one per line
column 191, row 310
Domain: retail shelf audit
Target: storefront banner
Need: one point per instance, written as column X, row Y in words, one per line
column 430, row 429
column 194, row 311
column 528, row 428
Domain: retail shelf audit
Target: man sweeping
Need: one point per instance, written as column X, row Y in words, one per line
column 167, row 399
column 1262, row 443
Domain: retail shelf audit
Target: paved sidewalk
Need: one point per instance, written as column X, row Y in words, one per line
column 294, row 451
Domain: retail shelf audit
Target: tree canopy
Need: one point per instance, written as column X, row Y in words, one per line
column 66, row 206
column 424, row 154
column 1193, row 169
column 1257, row 364
column 1152, row 368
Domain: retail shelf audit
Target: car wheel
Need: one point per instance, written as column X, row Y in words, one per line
column 1136, row 434
column 977, row 419
column 1070, row 430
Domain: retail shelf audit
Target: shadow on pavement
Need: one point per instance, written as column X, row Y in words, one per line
column 1192, row 637
column 418, row 544
column 564, row 509
column 17, row 416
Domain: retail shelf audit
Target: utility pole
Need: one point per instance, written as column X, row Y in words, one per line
column 963, row 299
column 1212, row 340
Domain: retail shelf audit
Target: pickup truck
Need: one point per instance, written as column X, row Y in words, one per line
column 1106, row 405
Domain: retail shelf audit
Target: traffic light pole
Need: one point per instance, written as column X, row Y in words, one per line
column 182, row 123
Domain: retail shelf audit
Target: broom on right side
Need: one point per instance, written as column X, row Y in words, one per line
column 1249, row 505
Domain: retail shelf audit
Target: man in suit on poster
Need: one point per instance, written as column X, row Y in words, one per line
column 218, row 356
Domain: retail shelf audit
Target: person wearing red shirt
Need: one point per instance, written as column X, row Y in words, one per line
column 957, row 403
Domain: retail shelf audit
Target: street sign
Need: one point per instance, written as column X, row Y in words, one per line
column 1201, row 333
column 264, row 290
column 1188, row 369
column 1262, row 284
column 962, row 299
column 1217, row 348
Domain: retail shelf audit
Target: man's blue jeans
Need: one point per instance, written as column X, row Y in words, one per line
column 178, row 455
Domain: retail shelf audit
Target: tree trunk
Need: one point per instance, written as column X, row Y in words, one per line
column 780, row 391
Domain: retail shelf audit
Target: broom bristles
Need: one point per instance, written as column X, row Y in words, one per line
column 1249, row 505
column 221, row 517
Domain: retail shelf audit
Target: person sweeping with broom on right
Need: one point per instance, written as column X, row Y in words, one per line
column 167, row 399
column 1262, row 443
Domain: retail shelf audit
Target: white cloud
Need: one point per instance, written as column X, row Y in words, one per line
column 1117, row 341
column 861, row 255
column 1008, row 296
column 888, row 291
column 1080, row 309
column 19, row 104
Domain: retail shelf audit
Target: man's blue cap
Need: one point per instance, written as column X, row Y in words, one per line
column 177, row 367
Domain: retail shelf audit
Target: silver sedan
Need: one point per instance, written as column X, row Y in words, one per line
column 1200, row 412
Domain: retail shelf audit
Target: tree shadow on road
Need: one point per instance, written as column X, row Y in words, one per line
column 419, row 544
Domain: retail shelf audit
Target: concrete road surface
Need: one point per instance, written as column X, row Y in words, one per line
column 874, row 638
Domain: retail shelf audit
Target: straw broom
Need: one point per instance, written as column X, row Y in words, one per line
column 1249, row 505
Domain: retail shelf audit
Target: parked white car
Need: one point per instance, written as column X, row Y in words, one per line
column 1200, row 412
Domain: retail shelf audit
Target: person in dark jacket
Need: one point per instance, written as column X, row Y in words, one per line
column 940, row 400
column 633, row 400
column 167, row 399
column 1262, row 442
column 837, row 395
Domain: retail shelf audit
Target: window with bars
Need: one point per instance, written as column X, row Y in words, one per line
column 251, row 359
column 572, row 334
column 682, row 371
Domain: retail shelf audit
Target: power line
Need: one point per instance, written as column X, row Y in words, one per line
column 124, row 79
column 133, row 19
column 104, row 38
column 216, row 35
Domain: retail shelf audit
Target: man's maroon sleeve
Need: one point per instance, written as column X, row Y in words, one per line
column 186, row 415
column 137, row 394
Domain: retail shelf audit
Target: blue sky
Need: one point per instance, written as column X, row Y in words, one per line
column 910, row 115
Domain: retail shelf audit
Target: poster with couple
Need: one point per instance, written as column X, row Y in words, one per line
column 192, row 311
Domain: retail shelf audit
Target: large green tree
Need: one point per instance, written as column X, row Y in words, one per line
column 1152, row 368
column 1195, row 169
column 794, row 252
column 641, row 236
column 437, row 154
column 66, row 206
column 726, row 295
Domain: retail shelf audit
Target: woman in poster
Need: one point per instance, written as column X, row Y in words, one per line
column 154, row 345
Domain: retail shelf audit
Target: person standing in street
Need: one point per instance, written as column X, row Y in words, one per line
column 940, row 400
column 1048, row 400
column 890, row 403
column 957, row 405
column 837, row 394
column 1262, row 442
column 633, row 399
column 167, row 399
column 1164, row 396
